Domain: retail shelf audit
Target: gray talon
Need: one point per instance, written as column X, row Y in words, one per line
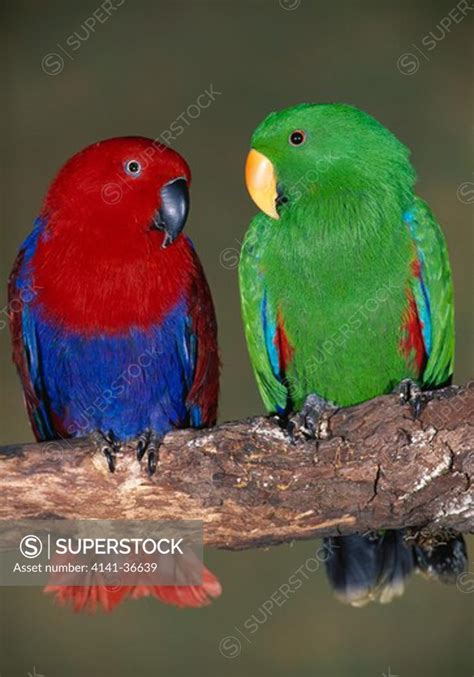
column 142, row 443
column 152, row 460
column 107, row 445
column 312, row 420
column 410, row 393
column 150, row 443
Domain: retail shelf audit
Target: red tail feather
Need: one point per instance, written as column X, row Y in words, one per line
column 183, row 595
column 88, row 598
column 93, row 597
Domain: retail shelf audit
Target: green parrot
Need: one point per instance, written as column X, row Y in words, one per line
column 346, row 293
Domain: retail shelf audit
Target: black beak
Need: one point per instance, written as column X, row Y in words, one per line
column 174, row 209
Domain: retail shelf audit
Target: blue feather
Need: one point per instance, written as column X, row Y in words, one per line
column 124, row 383
column 269, row 332
column 421, row 291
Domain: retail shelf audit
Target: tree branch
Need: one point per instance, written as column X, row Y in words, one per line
column 252, row 487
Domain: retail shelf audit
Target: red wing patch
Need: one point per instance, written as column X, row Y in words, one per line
column 284, row 348
column 416, row 268
column 411, row 343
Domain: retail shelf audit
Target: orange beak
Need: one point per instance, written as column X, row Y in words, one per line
column 261, row 182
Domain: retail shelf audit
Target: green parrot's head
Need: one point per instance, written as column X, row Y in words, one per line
column 316, row 151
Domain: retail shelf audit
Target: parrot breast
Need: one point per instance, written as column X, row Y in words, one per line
column 345, row 327
column 90, row 284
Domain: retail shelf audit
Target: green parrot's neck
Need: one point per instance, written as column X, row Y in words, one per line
column 351, row 213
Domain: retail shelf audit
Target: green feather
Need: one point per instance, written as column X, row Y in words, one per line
column 273, row 391
column 431, row 245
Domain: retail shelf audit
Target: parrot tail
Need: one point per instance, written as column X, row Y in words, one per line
column 106, row 597
column 366, row 568
column 374, row 567
column 441, row 556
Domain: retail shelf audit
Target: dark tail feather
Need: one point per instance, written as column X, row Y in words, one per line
column 368, row 568
column 441, row 556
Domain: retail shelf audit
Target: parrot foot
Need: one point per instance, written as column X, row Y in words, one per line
column 313, row 420
column 149, row 442
column 107, row 445
column 410, row 393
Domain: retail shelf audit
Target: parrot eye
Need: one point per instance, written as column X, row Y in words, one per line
column 133, row 168
column 297, row 137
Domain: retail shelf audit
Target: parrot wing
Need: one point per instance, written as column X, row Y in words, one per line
column 202, row 352
column 261, row 329
column 432, row 290
column 24, row 325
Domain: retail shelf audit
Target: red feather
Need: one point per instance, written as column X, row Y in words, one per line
column 92, row 598
column 284, row 348
column 412, row 344
column 205, row 390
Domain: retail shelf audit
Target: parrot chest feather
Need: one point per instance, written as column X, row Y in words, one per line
column 341, row 311
column 134, row 285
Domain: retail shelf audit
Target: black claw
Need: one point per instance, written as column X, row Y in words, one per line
column 107, row 445
column 142, row 444
column 141, row 448
column 416, row 406
column 411, row 394
column 149, row 443
column 152, row 461
column 110, row 456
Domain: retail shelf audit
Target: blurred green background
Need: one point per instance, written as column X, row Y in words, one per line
column 136, row 73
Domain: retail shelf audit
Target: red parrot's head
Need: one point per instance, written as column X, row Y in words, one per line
column 119, row 187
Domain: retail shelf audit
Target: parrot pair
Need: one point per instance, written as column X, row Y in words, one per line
column 115, row 279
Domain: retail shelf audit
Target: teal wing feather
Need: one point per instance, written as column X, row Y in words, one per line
column 432, row 289
column 260, row 324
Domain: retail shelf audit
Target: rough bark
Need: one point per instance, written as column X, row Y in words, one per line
column 378, row 468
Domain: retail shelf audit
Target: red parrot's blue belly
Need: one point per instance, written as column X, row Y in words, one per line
column 124, row 383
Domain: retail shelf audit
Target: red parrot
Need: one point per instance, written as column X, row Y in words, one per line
column 116, row 284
